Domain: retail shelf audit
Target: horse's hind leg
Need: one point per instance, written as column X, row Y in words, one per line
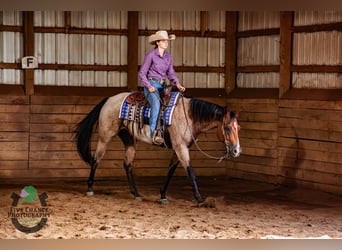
column 99, row 153
column 129, row 143
column 172, row 168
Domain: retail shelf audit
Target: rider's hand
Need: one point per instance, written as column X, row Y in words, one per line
column 180, row 87
column 151, row 89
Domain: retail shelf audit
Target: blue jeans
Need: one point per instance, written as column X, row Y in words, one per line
column 154, row 101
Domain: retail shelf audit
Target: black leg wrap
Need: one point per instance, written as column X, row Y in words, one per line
column 192, row 177
column 91, row 176
column 131, row 181
column 170, row 173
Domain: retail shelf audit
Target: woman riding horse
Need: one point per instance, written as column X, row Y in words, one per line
column 157, row 65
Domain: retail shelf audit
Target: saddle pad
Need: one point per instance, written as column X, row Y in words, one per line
column 136, row 112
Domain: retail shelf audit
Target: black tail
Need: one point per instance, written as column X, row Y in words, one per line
column 84, row 131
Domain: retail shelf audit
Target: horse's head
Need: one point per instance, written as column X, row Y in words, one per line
column 230, row 133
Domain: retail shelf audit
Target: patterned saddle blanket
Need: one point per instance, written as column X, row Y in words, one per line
column 135, row 108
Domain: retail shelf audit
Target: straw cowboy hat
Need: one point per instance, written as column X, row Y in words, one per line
column 160, row 35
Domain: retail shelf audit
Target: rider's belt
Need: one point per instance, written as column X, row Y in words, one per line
column 157, row 80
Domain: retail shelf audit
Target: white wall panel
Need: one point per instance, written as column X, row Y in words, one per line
column 201, row 80
column 11, row 18
column 75, row 49
column 117, row 79
column 177, row 21
column 258, row 80
column 114, row 51
column 177, row 51
column 48, row 18
column 260, row 50
column 62, row 48
column 11, row 76
column 49, row 45
column 191, row 20
column 317, row 80
column 101, row 50
column 123, row 50
column 100, row 20
column 88, row 19
column 189, row 51
column 88, row 78
column 188, row 79
column 75, row 78
column 319, row 48
column 252, row 20
column 88, row 53
column 11, row 47
column 62, row 78
column 214, row 52
column 308, row 17
column 101, row 78
column 201, row 51
column 216, row 21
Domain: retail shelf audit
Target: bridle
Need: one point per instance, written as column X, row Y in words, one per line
column 220, row 159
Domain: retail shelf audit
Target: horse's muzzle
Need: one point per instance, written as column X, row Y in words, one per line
column 235, row 150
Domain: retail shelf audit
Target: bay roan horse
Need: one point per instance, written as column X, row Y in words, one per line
column 190, row 117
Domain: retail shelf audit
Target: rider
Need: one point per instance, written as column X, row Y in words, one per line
column 156, row 67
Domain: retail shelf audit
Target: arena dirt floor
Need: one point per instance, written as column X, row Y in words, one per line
column 238, row 209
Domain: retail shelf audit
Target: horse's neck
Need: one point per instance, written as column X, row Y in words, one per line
column 204, row 127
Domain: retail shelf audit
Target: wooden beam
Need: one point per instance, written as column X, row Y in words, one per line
column 231, row 51
column 261, row 32
column 317, row 68
column 188, row 33
column 286, row 25
column 11, row 28
column 83, row 67
column 67, row 20
column 73, row 30
column 132, row 53
column 318, row 27
column 203, row 22
column 258, row 68
column 28, row 40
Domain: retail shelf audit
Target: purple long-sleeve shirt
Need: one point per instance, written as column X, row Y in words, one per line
column 158, row 67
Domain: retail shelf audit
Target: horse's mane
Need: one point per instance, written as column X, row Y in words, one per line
column 203, row 111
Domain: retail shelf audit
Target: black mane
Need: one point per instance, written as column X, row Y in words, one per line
column 203, row 111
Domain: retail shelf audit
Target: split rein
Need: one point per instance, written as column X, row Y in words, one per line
column 220, row 159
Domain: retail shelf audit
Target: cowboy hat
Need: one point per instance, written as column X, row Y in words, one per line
column 160, row 35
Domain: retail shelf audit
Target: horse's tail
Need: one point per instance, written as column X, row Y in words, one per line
column 84, row 131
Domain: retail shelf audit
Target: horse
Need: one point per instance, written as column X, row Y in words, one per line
column 191, row 116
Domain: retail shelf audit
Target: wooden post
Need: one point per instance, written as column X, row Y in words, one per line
column 132, row 53
column 231, row 51
column 67, row 20
column 203, row 22
column 286, row 26
column 28, row 40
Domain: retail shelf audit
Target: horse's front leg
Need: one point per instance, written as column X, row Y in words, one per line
column 128, row 163
column 172, row 168
column 184, row 158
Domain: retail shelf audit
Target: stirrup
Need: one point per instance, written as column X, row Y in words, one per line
column 156, row 139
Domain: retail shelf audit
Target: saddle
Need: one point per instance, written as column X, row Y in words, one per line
column 136, row 108
column 138, row 97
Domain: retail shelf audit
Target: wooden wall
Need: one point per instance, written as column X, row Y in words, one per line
column 36, row 140
column 290, row 128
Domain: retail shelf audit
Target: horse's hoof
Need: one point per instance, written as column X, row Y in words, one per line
column 90, row 193
column 138, row 198
column 163, row 201
column 209, row 203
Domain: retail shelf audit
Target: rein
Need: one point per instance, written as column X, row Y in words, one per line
column 220, row 159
